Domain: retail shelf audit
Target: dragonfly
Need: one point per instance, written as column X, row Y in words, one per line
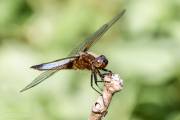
column 79, row 58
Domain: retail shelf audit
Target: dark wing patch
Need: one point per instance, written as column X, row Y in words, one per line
column 87, row 43
column 54, row 64
column 51, row 69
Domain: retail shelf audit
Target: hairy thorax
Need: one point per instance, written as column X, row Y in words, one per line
column 85, row 61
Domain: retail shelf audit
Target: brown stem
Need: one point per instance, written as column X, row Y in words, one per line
column 112, row 85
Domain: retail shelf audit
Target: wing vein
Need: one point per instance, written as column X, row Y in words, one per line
column 87, row 43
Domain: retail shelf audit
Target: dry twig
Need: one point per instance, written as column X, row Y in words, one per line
column 112, row 85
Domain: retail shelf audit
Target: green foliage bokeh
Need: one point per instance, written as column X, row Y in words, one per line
column 143, row 47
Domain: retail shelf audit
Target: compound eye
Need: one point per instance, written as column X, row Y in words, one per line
column 105, row 61
column 102, row 56
column 99, row 61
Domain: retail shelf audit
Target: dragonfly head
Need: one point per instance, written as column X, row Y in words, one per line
column 101, row 62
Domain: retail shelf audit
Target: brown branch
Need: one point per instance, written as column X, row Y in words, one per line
column 112, row 85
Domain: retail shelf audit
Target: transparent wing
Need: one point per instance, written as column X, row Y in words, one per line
column 87, row 43
column 51, row 68
column 39, row 79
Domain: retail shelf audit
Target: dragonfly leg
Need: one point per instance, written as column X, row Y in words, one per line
column 102, row 80
column 92, row 76
column 106, row 70
column 96, row 81
column 100, row 75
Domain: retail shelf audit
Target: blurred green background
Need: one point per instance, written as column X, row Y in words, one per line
column 143, row 47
